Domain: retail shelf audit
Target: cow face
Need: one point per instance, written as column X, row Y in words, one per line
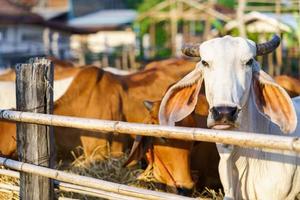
column 169, row 160
column 230, row 75
column 226, row 66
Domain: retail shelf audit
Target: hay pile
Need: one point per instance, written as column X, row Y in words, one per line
column 6, row 194
column 111, row 170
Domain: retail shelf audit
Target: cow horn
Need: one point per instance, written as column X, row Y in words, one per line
column 191, row 50
column 268, row 47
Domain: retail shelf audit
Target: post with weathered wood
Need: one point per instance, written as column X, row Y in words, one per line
column 152, row 35
column 278, row 51
column 34, row 92
column 240, row 17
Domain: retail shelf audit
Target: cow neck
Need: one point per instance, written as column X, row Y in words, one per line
column 249, row 164
column 251, row 119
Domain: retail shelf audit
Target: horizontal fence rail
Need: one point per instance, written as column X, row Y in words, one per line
column 66, row 187
column 111, row 190
column 196, row 134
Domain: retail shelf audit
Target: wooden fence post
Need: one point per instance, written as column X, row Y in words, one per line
column 240, row 17
column 34, row 93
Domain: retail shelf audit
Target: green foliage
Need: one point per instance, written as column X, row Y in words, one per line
column 199, row 28
column 161, row 35
column 147, row 5
column 261, row 4
column 217, row 24
column 163, row 53
column 227, row 3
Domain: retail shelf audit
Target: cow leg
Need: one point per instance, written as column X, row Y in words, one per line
column 119, row 144
column 95, row 145
column 149, row 169
column 226, row 170
column 8, row 141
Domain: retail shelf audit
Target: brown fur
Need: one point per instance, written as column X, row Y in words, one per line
column 273, row 101
column 8, row 139
column 95, row 93
column 123, row 100
column 290, row 84
column 173, row 160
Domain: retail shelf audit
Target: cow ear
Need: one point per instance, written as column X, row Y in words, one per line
column 273, row 102
column 181, row 99
column 138, row 150
column 148, row 105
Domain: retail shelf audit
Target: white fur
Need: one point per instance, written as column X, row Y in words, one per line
column 245, row 173
column 117, row 71
column 259, row 173
column 8, row 92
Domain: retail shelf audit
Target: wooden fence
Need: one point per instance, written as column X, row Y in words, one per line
column 99, row 188
column 196, row 134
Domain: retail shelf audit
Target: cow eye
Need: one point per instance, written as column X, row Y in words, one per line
column 249, row 62
column 204, row 63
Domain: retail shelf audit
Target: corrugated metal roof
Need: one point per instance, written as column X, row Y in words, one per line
column 91, row 23
column 105, row 18
column 285, row 22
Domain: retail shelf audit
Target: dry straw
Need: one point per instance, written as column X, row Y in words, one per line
column 110, row 169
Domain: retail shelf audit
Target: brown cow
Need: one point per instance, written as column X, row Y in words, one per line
column 62, row 71
column 169, row 159
column 95, row 93
column 290, row 84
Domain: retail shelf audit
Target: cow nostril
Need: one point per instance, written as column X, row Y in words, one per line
column 224, row 112
column 215, row 113
column 233, row 111
column 184, row 191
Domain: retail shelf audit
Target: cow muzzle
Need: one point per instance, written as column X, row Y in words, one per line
column 223, row 117
column 184, row 191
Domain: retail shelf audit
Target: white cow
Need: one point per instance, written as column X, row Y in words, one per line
column 241, row 97
column 8, row 94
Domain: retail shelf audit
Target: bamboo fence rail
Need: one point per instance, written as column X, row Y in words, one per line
column 111, row 190
column 196, row 134
column 12, row 188
column 67, row 187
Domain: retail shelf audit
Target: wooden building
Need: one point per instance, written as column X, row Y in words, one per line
column 48, row 27
column 266, row 17
column 24, row 34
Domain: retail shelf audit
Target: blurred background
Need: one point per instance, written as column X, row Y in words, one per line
column 127, row 34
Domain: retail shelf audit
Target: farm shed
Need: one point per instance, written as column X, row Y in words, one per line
column 173, row 13
column 25, row 33
column 257, row 22
column 109, row 29
column 262, row 25
column 49, row 28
